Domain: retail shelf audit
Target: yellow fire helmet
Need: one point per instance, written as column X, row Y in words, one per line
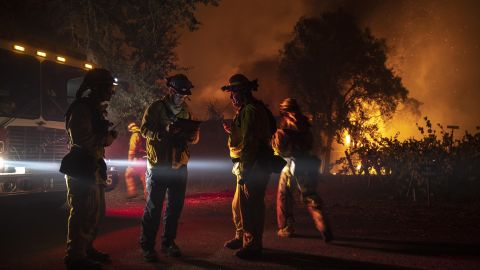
column 132, row 127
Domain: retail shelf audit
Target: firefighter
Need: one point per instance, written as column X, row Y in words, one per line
column 294, row 142
column 136, row 155
column 86, row 172
column 167, row 158
column 250, row 150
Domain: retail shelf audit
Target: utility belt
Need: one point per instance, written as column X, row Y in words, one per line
column 79, row 163
column 265, row 159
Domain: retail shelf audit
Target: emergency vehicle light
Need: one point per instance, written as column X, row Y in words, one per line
column 61, row 59
column 42, row 54
column 19, row 48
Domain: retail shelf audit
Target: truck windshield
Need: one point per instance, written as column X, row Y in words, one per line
column 19, row 85
column 30, row 88
column 59, row 84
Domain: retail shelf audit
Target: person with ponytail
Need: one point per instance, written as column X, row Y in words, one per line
column 89, row 132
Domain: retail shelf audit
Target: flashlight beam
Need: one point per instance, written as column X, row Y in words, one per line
column 204, row 164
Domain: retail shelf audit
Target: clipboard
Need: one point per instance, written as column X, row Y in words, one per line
column 187, row 125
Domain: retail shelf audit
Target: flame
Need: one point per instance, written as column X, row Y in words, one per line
column 367, row 123
column 359, row 166
column 347, row 140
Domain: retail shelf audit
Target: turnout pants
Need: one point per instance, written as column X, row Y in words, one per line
column 248, row 208
column 131, row 176
column 161, row 182
column 87, row 208
column 307, row 184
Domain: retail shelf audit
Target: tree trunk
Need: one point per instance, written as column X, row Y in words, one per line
column 350, row 163
column 328, row 153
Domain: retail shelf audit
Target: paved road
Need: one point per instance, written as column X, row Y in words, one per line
column 367, row 237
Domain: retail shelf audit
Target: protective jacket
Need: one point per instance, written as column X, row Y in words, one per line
column 87, row 126
column 136, row 148
column 293, row 137
column 250, row 135
column 165, row 148
column 87, row 129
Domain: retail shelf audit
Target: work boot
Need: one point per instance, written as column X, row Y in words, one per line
column 234, row 243
column 81, row 263
column 248, row 253
column 149, row 255
column 98, row 256
column 171, row 250
column 286, row 232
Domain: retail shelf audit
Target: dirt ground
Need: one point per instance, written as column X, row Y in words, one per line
column 371, row 219
column 372, row 231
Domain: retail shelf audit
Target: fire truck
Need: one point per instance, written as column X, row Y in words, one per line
column 36, row 88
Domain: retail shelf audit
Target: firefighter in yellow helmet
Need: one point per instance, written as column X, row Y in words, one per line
column 250, row 150
column 137, row 165
column 294, row 142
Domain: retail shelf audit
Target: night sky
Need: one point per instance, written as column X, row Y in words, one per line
column 433, row 45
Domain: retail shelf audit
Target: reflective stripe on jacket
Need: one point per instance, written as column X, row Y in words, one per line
column 163, row 148
column 293, row 137
column 251, row 132
column 136, row 148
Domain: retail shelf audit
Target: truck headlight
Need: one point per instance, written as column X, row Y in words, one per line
column 4, row 168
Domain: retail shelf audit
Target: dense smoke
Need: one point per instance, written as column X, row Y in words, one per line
column 238, row 36
column 433, row 45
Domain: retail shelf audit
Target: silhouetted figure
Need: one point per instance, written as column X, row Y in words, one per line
column 250, row 150
column 86, row 172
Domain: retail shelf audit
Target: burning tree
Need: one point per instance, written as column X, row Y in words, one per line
column 338, row 70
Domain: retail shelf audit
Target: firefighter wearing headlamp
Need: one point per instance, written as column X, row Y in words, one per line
column 167, row 159
column 89, row 133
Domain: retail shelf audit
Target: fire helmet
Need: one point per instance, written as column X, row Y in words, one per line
column 132, row 127
column 99, row 76
column 240, row 82
column 180, row 84
column 95, row 77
